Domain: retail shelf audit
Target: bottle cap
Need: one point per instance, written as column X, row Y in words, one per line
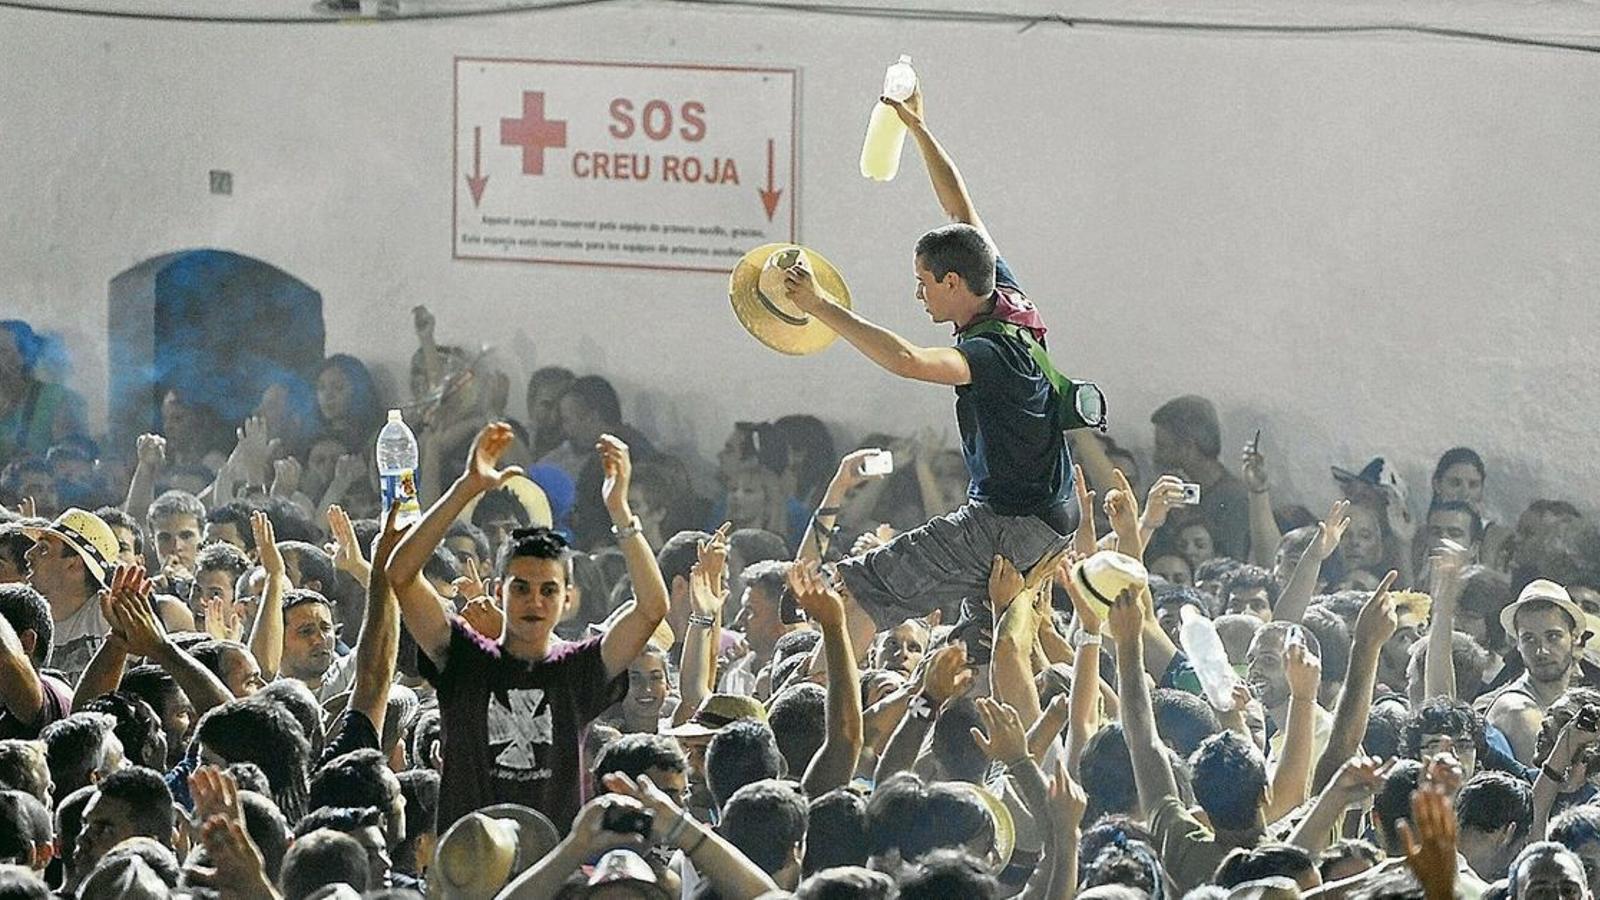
column 394, row 416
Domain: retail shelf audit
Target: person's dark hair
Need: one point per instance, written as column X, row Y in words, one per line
column 1454, row 457
column 20, row 883
column 154, row 855
column 1107, row 770
column 1129, row 862
column 798, row 717
column 322, row 858
column 499, row 505
column 757, row 545
column 770, row 575
column 222, row 557
column 293, row 697
column 355, row 779
column 268, row 828
column 1263, row 861
column 76, row 747
column 837, row 831
column 914, row 817
column 742, row 753
column 1333, row 637
column 1386, row 726
column 958, row 754
column 211, row 653
column 634, row 754
column 420, row 788
column 947, row 873
column 1229, row 778
column 1576, row 826
column 1348, row 848
column 1168, row 595
column 175, row 503
column 424, row 737
column 237, row 514
column 1114, row 828
column 154, row 686
column 537, row 542
column 249, row 777
column 1537, row 850
column 1247, row 578
column 480, row 541
column 147, row 797
column 962, row 249
column 298, row 597
column 25, row 609
column 344, row 819
column 1442, row 715
column 1183, row 720
column 365, row 409
column 1485, row 592
column 315, row 565
column 1475, row 530
column 1490, row 801
column 69, row 820
column 1393, row 800
column 794, row 643
column 1194, row 419
column 441, row 565
column 808, row 435
column 846, row 882
column 598, row 396
column 1220, row 569
column 678, row 555
column 119, row 518
column 264, row 733
column 765, row 820
column 138, row 727
column 19, row 814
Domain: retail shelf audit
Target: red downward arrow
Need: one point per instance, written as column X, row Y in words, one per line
column 769, row 197
column 477, row 180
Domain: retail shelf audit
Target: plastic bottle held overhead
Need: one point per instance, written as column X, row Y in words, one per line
column 886, row 134
column 1210, row 660
column 397, row 468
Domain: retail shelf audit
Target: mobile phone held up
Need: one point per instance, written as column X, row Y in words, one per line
column 879, row 463
column 788, row 610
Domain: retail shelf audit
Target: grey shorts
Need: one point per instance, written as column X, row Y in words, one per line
column 944, row 562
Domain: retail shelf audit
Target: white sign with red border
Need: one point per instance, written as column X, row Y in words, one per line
column 639, row 165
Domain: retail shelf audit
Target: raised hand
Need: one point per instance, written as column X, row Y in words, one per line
column 1253, row 468
column 802, row 289
column 1006, row 741
column 267, row 545
column 286, row 474
column 253, row 453
column 1068, row 802
column 151, row 450
column 617, row 464
column 236, row 862
column 708, row 578
column 222, row 619
column 483, row 613
column 1359, row 778
column 1429, row 839
column 910, row 109
column 849, row 473
column 483, row 472
column 1005, row 585
column 1084, row 540
column 947, row 675
column 653, row 798
column 1164, row 496
column 390, row 537
column 127, row 608
column 1126, row 619
column 1446, row 564
column 1088, row 616
column 1122, row 509
column 346, row 549
column 813, row 595
column 1304, row 672
column 1330, row 531
column 27, row 508
column 471, row 585
column 215, row 793
column 1377, row 621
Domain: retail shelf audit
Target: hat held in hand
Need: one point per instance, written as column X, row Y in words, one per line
column 756, row 290
column 1105, row 575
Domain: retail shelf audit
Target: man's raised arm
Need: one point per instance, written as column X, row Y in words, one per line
column 936, row 365
column 947, row 181
column 624, row 640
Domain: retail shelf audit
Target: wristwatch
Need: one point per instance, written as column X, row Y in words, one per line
column 633, row 527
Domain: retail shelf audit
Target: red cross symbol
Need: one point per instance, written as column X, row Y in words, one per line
column 533, row 133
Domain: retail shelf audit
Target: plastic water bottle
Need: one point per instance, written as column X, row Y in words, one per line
column 1209, row 658
column 886, row 134
column 397, row 468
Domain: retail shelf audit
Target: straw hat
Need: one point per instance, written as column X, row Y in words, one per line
column 756, row 290
column 1103, row 576
column 527, row 493
column 88, row 535
column 1544, row 591
column 484, row 850
column 717, row 712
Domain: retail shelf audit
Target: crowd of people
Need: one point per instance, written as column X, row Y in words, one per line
column 596, row 668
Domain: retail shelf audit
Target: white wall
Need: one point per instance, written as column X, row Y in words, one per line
column 1359, row 244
